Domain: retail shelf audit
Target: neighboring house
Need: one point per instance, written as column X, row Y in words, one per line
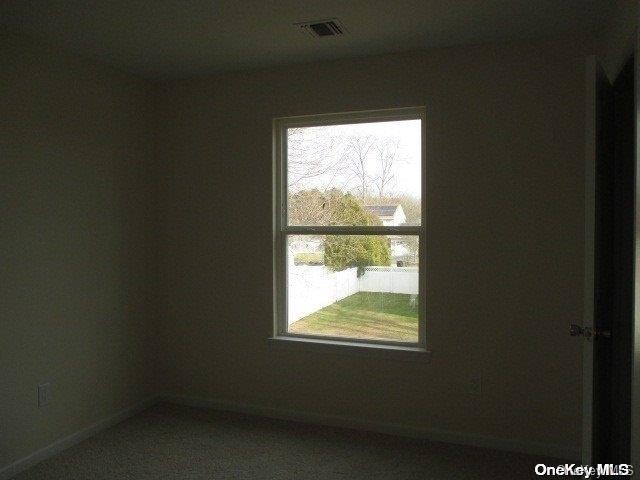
column 305, row 251
column 306, row 245
column 390, row 215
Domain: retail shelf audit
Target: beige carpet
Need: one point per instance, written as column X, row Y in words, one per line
column 174, row 442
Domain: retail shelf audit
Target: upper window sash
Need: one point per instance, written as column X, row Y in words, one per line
column 323, row 152
column 365, row 116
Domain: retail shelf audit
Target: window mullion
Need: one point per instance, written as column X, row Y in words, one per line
column 350, row 230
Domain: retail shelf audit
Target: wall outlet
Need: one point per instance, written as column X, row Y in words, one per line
column 44, row 394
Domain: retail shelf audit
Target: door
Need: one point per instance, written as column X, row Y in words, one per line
column 622, row 319
column 635, row 393
column 599, row 268
column 609, row 266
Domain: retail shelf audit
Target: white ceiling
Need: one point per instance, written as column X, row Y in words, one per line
column 174, row 38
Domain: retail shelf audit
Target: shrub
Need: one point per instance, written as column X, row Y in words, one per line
column 344, row 251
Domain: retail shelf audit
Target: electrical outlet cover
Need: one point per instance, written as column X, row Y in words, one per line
column 44, row 394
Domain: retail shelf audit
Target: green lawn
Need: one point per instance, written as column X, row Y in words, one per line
column 366, row 315
column 311, row 258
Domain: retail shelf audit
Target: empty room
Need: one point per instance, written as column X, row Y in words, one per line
column 319, row 239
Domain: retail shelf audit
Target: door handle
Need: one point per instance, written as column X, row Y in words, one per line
column 587, row 332
column 576, row 330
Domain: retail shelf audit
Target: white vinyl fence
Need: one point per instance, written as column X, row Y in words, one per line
column 390, row 280
column 312, row 288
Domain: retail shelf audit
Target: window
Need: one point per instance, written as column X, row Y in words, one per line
column 349, row 228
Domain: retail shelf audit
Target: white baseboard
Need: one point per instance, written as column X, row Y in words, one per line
column 73, row 439
column 482, row 441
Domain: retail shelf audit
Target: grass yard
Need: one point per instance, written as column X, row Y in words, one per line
column 311, row 258
column 366, row 315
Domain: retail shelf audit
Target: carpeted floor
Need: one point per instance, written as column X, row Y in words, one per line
column 174, row 442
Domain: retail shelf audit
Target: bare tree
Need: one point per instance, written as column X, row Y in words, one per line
column 387, row 156
column 356, row 158
column 311, row 153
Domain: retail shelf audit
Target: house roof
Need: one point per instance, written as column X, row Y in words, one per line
column 382, row 210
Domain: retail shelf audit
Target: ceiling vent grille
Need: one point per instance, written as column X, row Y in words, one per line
column 323, row 28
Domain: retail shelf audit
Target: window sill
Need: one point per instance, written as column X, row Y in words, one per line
column 394, row 352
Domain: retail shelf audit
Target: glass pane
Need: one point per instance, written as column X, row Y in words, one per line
column 353, row 286
column 355, row 174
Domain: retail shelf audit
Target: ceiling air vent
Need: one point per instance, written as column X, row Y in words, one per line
column 323, row 28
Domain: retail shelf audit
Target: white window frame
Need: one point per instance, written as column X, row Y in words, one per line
column 281, row 229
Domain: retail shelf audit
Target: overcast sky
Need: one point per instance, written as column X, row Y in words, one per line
column 407, row 171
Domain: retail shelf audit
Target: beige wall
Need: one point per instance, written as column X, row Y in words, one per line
column 505, row 140
column 75, row 226
column 97, row 249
